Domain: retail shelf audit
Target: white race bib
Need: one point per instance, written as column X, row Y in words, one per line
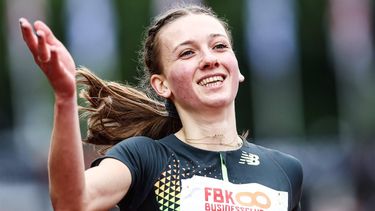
column 208, row 194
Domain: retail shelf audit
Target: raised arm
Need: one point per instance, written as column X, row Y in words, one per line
column 70, row 187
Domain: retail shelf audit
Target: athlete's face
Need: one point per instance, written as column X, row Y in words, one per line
column 200, row 69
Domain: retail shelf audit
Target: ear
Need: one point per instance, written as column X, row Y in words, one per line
column 241, row 78
column 160, row 85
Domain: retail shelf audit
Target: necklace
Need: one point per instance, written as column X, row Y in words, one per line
column 234, row 143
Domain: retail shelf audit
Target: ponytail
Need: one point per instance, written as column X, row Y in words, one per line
column 116, row 111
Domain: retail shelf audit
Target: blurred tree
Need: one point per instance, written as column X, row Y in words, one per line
column 6, row 111
column 372, row 2
column 319, row 85
column 272, row 48
column 56, row 17
column 133, row 17
column 233, row 14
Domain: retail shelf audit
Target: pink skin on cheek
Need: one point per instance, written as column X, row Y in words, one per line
column 182, row 87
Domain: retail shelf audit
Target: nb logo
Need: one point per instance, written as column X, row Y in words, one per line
column 249, row 159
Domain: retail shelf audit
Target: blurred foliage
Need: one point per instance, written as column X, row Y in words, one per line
column 373, row 21
column 6, row 120
column 56, row 17
column 318, row 78
column 132, row 19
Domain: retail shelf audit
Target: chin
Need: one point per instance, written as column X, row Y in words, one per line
column 219, row 103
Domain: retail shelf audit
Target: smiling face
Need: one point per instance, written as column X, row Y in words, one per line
column 200, row 69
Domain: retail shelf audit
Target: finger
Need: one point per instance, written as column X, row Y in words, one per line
column 43, row 51
column 50, row 37
column 55, row 63
column 28, row 35
column 52, row 68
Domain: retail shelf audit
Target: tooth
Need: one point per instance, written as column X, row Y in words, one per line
column 211, row 81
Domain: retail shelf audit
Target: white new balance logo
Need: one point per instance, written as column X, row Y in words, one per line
column 249, row 159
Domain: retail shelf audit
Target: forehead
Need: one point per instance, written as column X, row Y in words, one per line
column 190, row 27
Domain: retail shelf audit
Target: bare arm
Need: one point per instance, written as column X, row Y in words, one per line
column 70, row 187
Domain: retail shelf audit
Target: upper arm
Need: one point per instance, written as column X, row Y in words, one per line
column 106, row 184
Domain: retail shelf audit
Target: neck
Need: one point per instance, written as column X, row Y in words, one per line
column 215, row 142
column 210, row 130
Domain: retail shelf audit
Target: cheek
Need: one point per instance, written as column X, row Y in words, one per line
column 180, row 82
column 177, row 79
column 231, row 64
column 234, row 70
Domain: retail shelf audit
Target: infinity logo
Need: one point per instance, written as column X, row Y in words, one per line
column 258, row 199
column 248, row 199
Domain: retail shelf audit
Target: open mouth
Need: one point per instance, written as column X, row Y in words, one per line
column 211, row 81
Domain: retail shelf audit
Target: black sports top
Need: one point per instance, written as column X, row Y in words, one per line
column 168, row 174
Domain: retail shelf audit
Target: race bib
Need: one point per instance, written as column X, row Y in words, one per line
column 208, row 194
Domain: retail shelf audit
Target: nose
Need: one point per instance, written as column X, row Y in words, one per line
column 208, row 61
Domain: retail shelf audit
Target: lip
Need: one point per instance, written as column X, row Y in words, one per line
column 211, row 75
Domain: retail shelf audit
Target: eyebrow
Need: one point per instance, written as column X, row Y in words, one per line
column 189, row 42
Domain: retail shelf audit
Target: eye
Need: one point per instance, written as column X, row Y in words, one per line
column 186, row 53
column 221, row 46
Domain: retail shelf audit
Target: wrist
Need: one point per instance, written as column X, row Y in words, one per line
column 65, row 100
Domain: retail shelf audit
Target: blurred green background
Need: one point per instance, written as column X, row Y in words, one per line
column 309, row 87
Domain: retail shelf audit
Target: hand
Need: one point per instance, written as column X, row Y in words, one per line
column 51, row 56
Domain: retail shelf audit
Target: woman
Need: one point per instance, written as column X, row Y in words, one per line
column 199, row 162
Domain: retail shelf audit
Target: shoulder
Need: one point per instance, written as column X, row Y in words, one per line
column 285, row 160
column 139, row 146
column 282, row 158
column 132, row 149
column 133, row 142
column 142, row 142
column 287, row 163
